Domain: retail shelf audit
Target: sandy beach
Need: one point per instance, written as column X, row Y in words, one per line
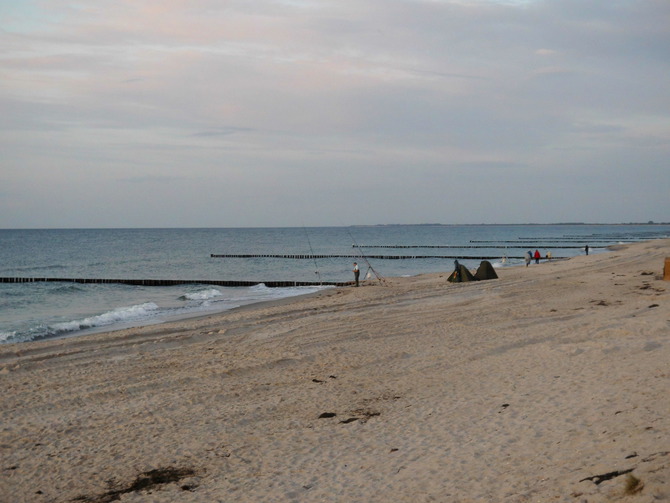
column 551, row 383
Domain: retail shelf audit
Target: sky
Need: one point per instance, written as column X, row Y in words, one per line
column 273, row 113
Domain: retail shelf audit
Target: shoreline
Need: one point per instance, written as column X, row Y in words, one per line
column 71, row 309
column 261, row 303
column 523, row 388
column 103, row 329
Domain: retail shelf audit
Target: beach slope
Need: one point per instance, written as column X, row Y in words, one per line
column 551, row 383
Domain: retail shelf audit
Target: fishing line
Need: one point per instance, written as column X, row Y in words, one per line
column 360, row 252
column 318, row 274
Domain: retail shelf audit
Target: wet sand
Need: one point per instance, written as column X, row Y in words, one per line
column 551, row 383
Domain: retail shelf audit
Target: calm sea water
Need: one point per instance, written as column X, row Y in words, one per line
column 31, row 311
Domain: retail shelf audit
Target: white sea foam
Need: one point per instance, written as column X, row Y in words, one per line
column 202, row 294
column 262, row 292
column 120, row 315
column 6, row 336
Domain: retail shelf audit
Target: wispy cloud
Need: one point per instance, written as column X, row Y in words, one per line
column 152, row 179
column 222, row 131
column 276, row 101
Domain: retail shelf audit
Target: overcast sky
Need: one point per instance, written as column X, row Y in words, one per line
column 235, row 113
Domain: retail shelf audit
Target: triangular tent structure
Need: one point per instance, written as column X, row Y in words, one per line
column 486, row 271
column 461, row 274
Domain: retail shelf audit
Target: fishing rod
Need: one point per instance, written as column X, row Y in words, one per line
column 362, row 255
column 318, row 275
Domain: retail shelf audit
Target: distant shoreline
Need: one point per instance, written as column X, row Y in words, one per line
column 336, row 226
column 518, row 225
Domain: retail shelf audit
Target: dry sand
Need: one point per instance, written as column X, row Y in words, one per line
column 551, row 383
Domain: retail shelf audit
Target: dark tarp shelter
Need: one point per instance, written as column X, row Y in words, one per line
column 462, row 274
column 486, row 271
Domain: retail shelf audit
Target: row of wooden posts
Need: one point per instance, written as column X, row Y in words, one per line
column 237, row 283
column 173, row 282
column 355, row 257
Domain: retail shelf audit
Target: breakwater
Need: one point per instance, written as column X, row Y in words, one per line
column 458, row 247
column 358, row 257
column 173, row 282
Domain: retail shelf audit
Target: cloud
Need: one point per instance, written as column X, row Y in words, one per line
column 293, row 103
column 546, row 52
column 222, row 131
column 152, row 179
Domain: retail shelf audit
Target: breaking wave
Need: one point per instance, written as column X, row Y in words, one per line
column 202, row 295
column 120, row 315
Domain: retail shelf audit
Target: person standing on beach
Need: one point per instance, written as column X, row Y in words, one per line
column 586, row 249
column 357, row 273
column 537, row 256
column 527, row 258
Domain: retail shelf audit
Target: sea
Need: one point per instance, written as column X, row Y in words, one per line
column 315, row 257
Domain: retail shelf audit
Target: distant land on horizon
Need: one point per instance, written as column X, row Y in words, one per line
column 650, row 223
column 555, row 223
